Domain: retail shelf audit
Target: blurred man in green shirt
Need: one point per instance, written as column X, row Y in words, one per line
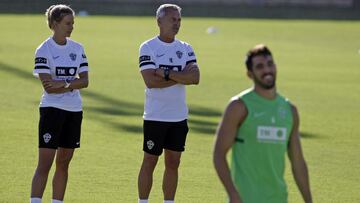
column 260, row 126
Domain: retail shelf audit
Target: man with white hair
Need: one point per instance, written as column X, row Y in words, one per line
column 166, row 65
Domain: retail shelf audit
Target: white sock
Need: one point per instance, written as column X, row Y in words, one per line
column 143, row 201
column 57, row 201
column 169, row 201
column 35, row 200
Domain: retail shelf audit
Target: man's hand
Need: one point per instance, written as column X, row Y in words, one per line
column 235, row 198
column 53, row 83
column 190, row 67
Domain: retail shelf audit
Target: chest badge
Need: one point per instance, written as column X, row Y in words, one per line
column 72, row 56
column 179, row 54
column 282, row 113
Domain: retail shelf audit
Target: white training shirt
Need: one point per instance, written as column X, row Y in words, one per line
column 165, row 104
column 61, row 62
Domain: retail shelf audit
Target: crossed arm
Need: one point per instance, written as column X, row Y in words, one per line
column 234, row 115
column 57, row 86
column 298, row 164
column 154, row 78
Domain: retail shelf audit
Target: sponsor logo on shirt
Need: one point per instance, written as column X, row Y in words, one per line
column 171, row 67
column 144, row 58
column 191, row 54
column 271, row 134
column 65, row 71
column 40, row 60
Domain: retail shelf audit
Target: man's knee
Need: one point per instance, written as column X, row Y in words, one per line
column 150, row 161
column 62, row 162
column 172, row 162
column 43, row 168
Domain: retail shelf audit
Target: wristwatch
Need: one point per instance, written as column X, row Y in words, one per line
column 67, row 83
column 166, row 74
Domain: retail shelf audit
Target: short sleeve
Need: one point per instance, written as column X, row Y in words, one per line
column 84, row 66
column 146, row 59
column 190, row 54
column 41, row 62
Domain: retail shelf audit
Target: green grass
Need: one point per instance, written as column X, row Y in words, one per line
column 318, row 70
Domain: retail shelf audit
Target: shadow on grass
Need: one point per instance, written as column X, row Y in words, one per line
column 115, row 107
column 307, row 135
column 111, row 106
column 17, row 72
column 203, row 111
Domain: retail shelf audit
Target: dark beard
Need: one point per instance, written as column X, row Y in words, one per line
column 263, row 85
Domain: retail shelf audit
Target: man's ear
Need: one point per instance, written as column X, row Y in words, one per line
column 53, row 24
column 158, row 21
column 249, row 74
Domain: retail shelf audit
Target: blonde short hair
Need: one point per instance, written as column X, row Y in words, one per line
column 57, row 13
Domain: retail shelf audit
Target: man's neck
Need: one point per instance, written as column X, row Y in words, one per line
column 266, row 93
column 59, row 39
column 166, row 38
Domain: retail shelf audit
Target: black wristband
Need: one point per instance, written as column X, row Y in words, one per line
column 166, row 74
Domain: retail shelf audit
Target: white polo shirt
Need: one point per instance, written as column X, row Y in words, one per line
column 61, row 62
column 165, row 104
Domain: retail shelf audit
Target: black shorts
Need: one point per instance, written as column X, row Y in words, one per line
column 59, row 128
column 160, row 135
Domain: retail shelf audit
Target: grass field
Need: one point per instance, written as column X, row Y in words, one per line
column 318, row 70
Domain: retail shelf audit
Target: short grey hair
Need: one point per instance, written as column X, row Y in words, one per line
column 161, row 11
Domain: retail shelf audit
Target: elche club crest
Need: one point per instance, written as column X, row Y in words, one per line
column 72, row 56
column 150, row 144
column 282, row 112
column 47, row 137
column 179, row 54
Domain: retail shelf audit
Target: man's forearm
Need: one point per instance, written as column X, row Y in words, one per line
column 186, row 77
column 79, row 83
column 302, row 181
column 223, row 171
column 159, row 82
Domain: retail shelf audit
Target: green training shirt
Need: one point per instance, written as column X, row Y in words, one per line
column 258, row 155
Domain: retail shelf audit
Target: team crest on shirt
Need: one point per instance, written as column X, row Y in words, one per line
column 150, row 144
column 179, row 54
column 282, row 112
column 47, row 137
column 72, row 56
